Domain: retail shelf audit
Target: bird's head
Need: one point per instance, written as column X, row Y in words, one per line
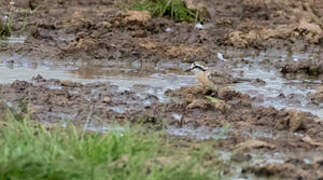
column 198, row 66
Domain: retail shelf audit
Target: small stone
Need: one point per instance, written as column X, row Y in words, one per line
column 106, row 99
column 67, row 83
column 259, row 82
column 295, row 120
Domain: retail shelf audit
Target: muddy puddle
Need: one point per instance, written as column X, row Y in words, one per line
column 140, row 77
column 275, row 90
column 155, row 78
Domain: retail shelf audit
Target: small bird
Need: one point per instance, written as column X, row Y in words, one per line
column 214, row 77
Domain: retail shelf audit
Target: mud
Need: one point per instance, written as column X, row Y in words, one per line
column 94, row 63
column 75, row 29
column 317, row 97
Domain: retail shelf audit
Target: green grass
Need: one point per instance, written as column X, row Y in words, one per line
column 174, row 9
column 212, row 99
column 32, row 151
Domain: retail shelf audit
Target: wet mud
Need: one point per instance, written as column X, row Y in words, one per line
column 95, row 63
column 100, row 30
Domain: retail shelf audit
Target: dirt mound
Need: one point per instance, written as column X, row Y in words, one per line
column 267, row 20
column 233, row 106
column 304, row 30
column 55, row 101
column 286, row 171
column 199, row 105
column 313, row 67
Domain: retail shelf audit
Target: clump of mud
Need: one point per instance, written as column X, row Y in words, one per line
column 232, row 106
column 278, row 170
column 312, row 67
column 58, row 101
column 317, row 97
column 270, row 20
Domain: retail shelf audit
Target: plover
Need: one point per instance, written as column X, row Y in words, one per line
column 213, row 77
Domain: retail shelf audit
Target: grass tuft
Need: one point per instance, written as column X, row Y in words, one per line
column 174, row 9
column 32, row 151
column 4, row 30
column 212, row 99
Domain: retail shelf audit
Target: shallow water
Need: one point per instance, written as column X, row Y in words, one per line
column 156, row 77
column 128, row 76
column 14, row 39
column 200, row 133
column 278, row 92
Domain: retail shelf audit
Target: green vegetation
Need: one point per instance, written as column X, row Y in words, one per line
column 32, row 151
column 174, row 9
column 4, row 30
column 213, row 99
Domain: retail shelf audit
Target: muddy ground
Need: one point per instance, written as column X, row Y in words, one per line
column 278, row 44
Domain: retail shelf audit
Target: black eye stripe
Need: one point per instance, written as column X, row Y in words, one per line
column 199, row 67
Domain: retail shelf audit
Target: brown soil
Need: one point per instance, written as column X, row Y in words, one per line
column 100, row 30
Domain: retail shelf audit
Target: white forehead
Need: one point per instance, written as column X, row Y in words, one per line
column 200, row 64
